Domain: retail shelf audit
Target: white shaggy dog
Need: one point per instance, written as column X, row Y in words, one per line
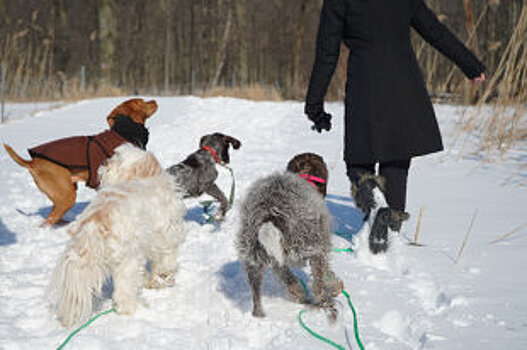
column 136, row 217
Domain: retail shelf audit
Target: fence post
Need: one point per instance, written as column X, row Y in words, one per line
column 83, row 79
column 2, row 91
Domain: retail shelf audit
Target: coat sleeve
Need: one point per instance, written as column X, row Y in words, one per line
column 438, row 35
column 329, row 37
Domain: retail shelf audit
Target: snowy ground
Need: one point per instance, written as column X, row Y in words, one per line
column 415, row 297
column 15, row 111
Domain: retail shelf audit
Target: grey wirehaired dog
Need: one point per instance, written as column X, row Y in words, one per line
column 285, row 222
column 197, row 173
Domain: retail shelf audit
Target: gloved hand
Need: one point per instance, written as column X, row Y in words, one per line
column 321, row 119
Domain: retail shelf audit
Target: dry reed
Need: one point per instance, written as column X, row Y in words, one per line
column 466, row 237
column 418, row 227
column 509, row 234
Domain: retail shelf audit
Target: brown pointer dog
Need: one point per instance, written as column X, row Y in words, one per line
column 312, row 168
column 58, row 182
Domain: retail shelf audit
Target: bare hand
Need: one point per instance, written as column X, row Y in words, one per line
column 479, row 79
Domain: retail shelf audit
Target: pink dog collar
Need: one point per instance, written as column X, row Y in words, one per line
column 313, row 180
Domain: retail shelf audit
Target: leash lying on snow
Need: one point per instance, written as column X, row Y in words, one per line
column 350, row 304
column 324, row 339
column 90, row 321
column 207, row 205
column 313, row 333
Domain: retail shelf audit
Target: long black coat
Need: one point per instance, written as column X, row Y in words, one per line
column 389, row 115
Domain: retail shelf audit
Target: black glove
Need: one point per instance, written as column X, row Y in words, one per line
column 321, row 119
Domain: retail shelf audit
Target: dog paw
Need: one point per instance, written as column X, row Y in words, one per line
column 335, row 287
column 160, row 280
column 332, row 314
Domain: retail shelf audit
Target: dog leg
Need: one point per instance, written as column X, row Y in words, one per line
column 214, row 191
column 127, row 278
column 293, row 286
column 255, row 275
column 162, row 270
column 55, row 182
column 61, row 207
column 326, row 285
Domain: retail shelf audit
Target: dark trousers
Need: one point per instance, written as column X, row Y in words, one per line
column 396, row 175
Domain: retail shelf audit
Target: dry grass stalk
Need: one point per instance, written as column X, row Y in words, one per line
column 466, row 236
column 506, row 122
column 418, row 227
column 509, row 234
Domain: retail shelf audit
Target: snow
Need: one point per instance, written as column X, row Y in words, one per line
column 411, row 298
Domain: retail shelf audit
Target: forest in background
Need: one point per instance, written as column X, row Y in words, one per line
column 60, row 49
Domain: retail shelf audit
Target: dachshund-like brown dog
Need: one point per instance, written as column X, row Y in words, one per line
column 57, row 166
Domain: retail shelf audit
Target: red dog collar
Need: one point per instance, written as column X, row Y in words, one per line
column 212, row 152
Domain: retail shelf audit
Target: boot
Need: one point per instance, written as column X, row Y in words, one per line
column 385, row 219
column 368, row 193
column 362, row 192
column 396, row 219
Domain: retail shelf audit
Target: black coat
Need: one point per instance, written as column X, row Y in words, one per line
column 389, row 115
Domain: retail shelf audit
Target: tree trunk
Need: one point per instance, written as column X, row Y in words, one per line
column 223, row 50
column 107, row 35
column 243, row 59
column 297, row 48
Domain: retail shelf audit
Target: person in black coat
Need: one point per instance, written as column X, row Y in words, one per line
column 388, row 114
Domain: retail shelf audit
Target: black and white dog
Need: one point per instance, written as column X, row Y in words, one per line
column 197, row 173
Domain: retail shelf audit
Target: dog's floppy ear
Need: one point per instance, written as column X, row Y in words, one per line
column 202, row 140
column 234, row 142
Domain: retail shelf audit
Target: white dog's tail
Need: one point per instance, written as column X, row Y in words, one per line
column 270, row 237
column 79, row 275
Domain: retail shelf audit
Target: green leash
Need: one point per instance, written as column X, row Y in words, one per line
column 355, row 322
column 350, row 304
column 326, row 340
column 315, row 334
column 90, row 321
column 342, row 250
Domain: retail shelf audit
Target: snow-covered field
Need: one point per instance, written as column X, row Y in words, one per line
column 15, row 111
column 412, row 298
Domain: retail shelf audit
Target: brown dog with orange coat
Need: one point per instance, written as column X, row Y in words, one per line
column 57, row 174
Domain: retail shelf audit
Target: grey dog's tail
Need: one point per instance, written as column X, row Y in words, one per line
column 270, row 237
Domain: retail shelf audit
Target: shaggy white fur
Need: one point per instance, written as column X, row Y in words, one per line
column 127, row 224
